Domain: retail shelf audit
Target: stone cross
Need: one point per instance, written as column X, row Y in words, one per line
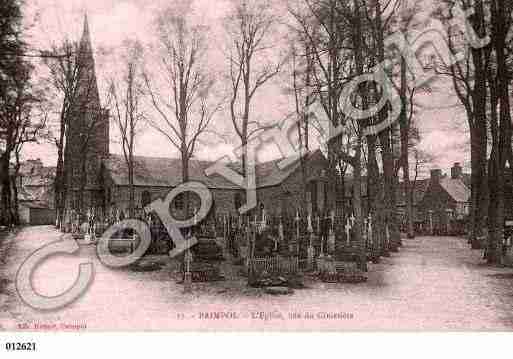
column 431, row 222
column 331, row 236
column 365, row 229
column 348, row 232
column 310, row 256
column 370, row 228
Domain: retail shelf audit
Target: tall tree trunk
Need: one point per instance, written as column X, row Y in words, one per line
column 357, row 163
column 82, row 186
column 404, row 158
column 60, row 180
column 374, row 198
column 131, row 205
column 480, row 136
column 5, row 206
column 503, row 133
column 385, row 139
column 357, row 205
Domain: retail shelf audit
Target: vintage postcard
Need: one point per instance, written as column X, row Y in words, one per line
column 263, row 165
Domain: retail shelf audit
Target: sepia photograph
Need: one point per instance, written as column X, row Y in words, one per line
column 255, row 166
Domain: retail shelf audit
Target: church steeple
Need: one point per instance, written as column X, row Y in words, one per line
column 87, row 142
column 88, row 86
column 85, row 42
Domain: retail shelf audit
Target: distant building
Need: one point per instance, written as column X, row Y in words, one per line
column 421, row 186
column 445, row 205
column 36, row 199
column 36, row 214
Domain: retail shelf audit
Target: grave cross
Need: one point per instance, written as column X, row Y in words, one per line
column 370, row 228
column 348, row 227
column 365, row 229
column 280, row 230
column 297, row 219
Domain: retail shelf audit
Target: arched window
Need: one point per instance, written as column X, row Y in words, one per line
column 145, row 198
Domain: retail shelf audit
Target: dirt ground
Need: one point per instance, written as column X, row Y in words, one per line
column 433, row 283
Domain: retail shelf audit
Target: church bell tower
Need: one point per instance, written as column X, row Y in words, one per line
column 87, row 140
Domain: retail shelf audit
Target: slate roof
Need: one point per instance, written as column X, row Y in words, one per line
column 456, row 188
column 167, row 172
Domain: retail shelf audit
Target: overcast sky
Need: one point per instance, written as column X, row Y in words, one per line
column 112, row 21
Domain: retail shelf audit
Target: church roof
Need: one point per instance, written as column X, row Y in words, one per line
column 167, row 172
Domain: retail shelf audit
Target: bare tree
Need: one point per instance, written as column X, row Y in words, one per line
column 125, row 100
column 14, row 90
column 32, row 122
column 302, row 67
column 183, row 105
column 407, row 94
column 249, row 27
column 468, row 78
column 335, row 41
column 65, row 71
column 499, row 81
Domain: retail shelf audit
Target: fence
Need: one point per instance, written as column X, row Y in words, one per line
column 275, row 265
column 287, row 235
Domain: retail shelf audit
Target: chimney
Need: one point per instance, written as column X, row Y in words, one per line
column 456, row 171
column 436, row 174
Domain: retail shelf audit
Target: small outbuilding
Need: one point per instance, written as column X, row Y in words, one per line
column 36, row 214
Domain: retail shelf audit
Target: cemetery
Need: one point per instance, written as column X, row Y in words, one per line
column 269, row 251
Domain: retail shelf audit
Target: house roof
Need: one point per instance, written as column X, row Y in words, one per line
column 456, row 188
column 167, row 172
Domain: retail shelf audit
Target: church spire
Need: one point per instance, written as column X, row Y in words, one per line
column 85, row 42
column 89, row 86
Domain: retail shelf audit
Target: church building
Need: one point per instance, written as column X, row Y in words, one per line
column 99, row 179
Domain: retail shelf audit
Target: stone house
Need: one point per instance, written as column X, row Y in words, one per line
column 445, row 204
column 421, row 186
column 36, row 195
column 36, row 214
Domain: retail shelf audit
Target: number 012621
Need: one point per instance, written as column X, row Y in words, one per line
column 10, row 346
